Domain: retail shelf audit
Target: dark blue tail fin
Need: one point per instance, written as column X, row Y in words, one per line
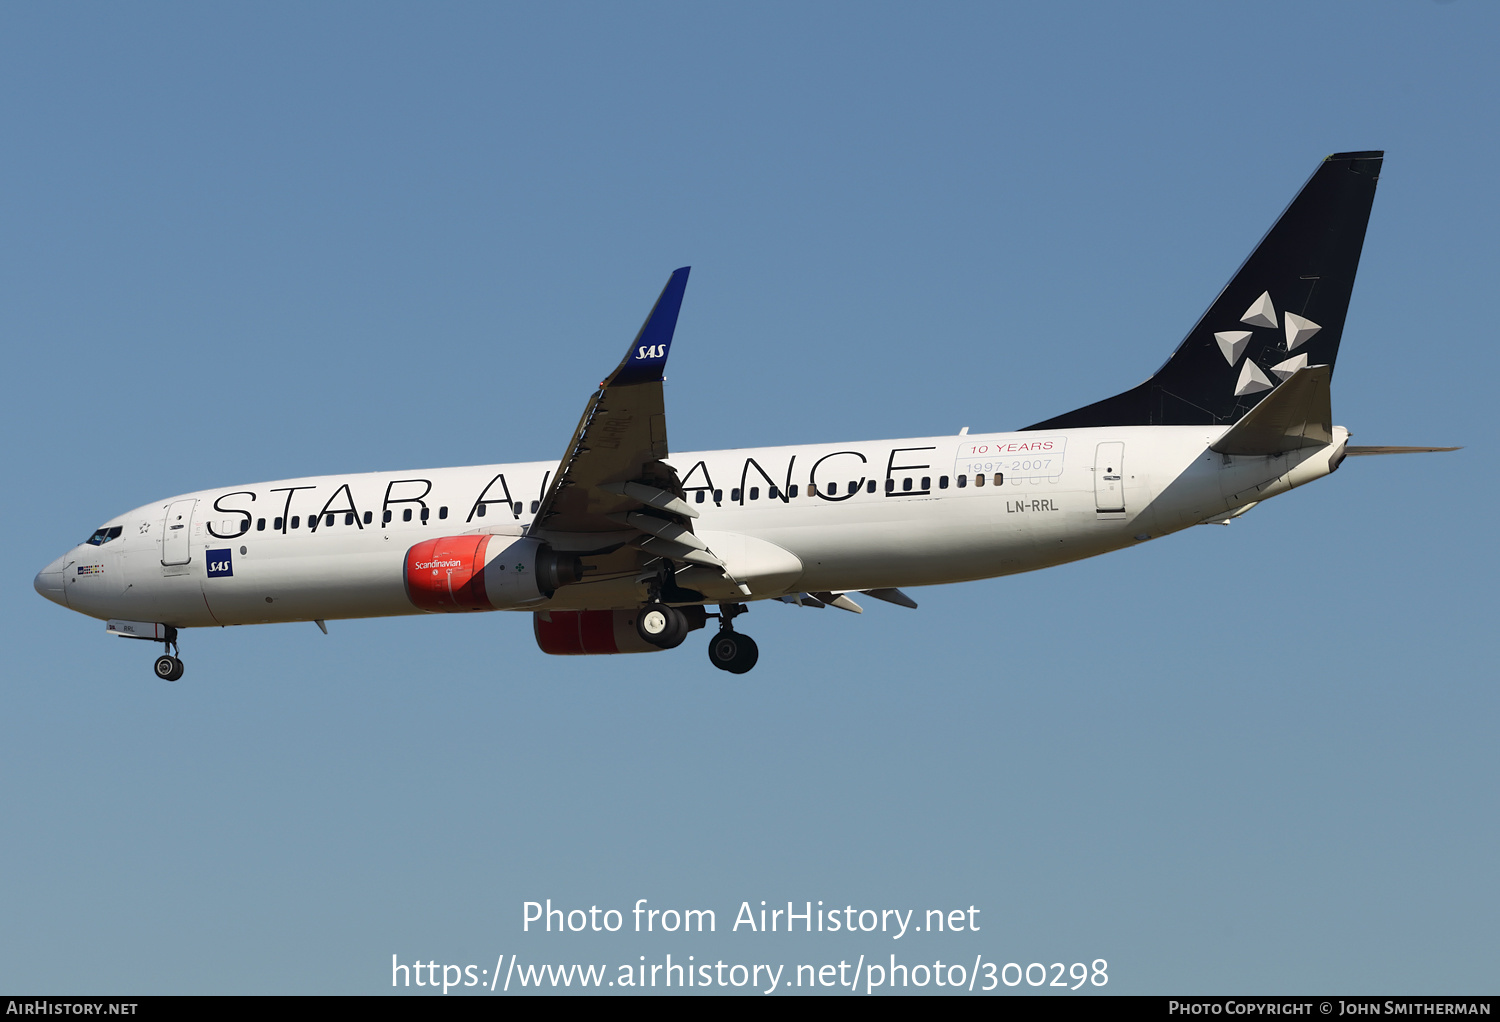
column 1282, row 311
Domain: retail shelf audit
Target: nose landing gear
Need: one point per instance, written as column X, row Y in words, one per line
column 730, row 650
column 169, row 667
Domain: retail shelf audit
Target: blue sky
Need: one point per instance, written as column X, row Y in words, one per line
column 259, row 242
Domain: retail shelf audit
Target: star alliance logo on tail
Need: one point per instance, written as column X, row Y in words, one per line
column 1262, row 313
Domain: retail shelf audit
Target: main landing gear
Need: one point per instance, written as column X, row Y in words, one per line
column 730, row 650
column 169, row 667
column 665, row 627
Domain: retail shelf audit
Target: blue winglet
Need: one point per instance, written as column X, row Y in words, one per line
column 646, row 360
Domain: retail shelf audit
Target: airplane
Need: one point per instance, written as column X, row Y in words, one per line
column 622, row 546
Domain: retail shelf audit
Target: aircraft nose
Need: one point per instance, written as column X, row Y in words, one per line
column 49, row 582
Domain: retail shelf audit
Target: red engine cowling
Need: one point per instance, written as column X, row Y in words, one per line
column 578, row 632
column 457, row 573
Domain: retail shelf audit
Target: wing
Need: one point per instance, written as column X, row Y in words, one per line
column 612, row 488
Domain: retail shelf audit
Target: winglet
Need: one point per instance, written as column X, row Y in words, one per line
column 646, row 360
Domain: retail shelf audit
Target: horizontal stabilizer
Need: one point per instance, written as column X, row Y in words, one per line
column 1398, row 450
column 1296, row 414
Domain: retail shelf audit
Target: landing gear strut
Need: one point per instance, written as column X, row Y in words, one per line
column 730, row 650
column 168, row 667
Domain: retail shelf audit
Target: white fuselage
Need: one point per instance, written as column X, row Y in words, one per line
column 854, row 516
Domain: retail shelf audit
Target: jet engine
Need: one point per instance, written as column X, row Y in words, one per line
column 579, row 632
column 457, row 573
column 589, row 632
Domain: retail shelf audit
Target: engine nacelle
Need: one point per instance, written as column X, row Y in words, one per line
column 579, row 632
column 456, row 573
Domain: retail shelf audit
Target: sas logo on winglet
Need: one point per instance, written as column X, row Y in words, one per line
column 220, row 564
column 651, row 351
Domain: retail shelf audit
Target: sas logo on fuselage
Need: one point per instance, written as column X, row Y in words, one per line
column 220, row 564
column 651, row 351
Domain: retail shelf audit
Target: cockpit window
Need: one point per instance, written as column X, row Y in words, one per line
column 102, row 536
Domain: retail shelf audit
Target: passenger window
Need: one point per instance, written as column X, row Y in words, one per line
column 793, row 491
column 443, row 511
column 385, row 519
column 755, row 493
column 406, row 514
column 979, row 479
column 483, row 510
column 890, row 486
column 519, row 507
column 369, row 517
column 718, row 496
column 773, row 493
column 942, row 482
column 926, row 482
column 425, row 513
column 697, row 497
column 278, row 524
column 296, row 521
column 260, row 525
column 869, row 486
column 535, row 505
column 963, row 481
column 999, row 478
column 906, row 484
column 330, row 520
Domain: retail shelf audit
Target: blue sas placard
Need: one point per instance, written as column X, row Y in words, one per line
column 220, row 564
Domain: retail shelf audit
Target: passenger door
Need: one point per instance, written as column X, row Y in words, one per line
column 176, row 536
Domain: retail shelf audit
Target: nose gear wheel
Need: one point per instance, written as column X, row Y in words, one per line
column 167, row 666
